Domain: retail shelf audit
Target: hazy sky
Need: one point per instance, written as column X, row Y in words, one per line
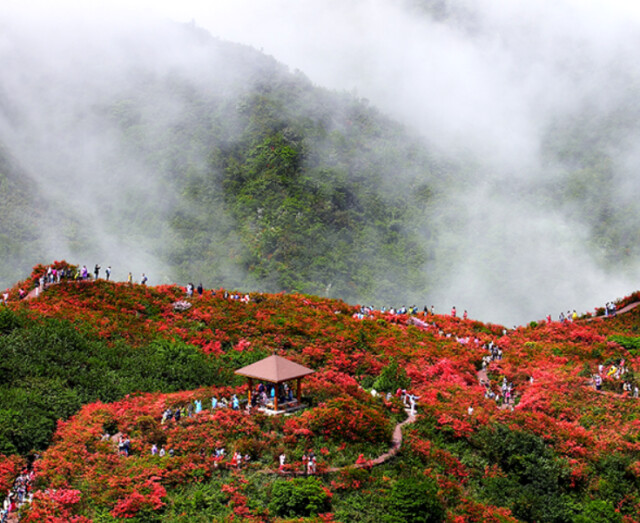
column 491, row 92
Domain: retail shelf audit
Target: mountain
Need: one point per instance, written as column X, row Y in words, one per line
column 190, row 158
column 110, row 358
column 493, row 168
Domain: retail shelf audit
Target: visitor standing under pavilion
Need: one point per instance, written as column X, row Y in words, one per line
column 275, row 369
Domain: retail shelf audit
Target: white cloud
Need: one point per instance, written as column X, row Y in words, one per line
column 491, row 91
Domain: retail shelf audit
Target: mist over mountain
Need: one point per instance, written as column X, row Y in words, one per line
column 175, row 154
column 507, row 188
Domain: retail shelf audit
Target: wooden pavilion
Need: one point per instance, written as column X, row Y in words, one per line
column 275, row 369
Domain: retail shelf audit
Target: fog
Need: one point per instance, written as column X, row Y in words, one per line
column 483, row 80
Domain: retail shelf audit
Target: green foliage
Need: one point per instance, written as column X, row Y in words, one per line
column 616, row 482
column 632, row 344
column 533, row 486
column 198, row 502
column 598, row 511
column 586, row 370
column 8, row 320
column 392, row 377
column 299, row 497
column 415, row 500
column 149, row 428
column 48, row 370
column 362, row 506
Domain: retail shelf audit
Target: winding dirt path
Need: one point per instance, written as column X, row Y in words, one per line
column 396, row 444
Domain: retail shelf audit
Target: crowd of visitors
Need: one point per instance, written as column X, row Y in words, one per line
column 568, row 317
column 616, row 372
column 505, row 393
column 366, row 311
column 265, row 393
column 610, row 309
column 195, row 407
column 20, row 493
column 219, row 453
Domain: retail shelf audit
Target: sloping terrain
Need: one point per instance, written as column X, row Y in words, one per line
column 557, row 450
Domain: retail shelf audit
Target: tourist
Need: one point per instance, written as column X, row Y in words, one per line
column 412, row 404
column 597, row 380
column 311, row 462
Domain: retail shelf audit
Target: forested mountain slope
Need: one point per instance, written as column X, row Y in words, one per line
column 193, row 158
column 157, row 148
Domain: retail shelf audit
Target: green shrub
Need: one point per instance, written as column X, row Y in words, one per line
column 392, row 378
column 598, row 511
column 299, row 497
column 415, row 500
column 628, row 342
column 534, row 485
column 8, row 320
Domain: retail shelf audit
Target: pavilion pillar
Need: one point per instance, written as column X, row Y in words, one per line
column 275, row 398
column 299, row 390
column 250, row 390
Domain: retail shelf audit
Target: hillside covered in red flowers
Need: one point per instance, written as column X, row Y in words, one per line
column 537, row 423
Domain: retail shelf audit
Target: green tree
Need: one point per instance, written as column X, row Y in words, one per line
column 392, row 377
column 299, row 497
column 415, row 500
column 598, row 511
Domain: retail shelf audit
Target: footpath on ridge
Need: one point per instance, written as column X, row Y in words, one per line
column 624, row 309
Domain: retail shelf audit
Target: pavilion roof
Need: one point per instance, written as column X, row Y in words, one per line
column 274, row 369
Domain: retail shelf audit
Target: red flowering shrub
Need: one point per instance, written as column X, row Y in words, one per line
column 10, row 467
column 55, row 506
column 348, row 420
